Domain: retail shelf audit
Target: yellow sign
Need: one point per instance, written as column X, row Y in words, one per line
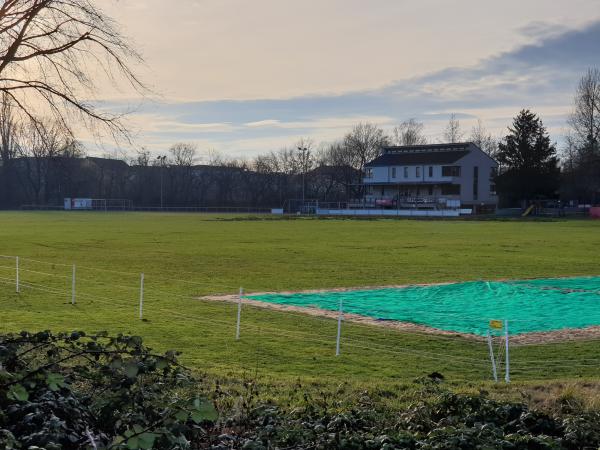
column 496, row 324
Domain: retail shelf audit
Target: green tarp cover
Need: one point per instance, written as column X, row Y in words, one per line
column 528, row 305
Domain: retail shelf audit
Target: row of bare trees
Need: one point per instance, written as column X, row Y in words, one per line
column 42, row 163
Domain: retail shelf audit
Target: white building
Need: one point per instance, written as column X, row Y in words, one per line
column 431, row 176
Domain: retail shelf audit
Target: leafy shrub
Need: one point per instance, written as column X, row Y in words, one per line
column 73, row 391
column 442, row 420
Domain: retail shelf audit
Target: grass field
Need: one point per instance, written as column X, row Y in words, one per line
column 186, row 256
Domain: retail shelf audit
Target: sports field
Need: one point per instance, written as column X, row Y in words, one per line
column 184, row 257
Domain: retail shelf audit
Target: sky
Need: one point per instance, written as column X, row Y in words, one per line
column 241, row 77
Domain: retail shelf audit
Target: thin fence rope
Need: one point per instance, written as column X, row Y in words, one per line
column 349, row 342
column 289, row 333
column 376, row 346
column 44, row 262
column 22, row 269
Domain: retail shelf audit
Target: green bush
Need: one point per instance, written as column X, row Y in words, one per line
column 442, row 420
column 74, row 391
column 78, row 391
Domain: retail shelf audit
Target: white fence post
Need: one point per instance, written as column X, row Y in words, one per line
column 491, row 348
column 507, row 375
column 73, row 286
column 339, row 330
column 239, row 315
column 142, row 296
column 17, row 273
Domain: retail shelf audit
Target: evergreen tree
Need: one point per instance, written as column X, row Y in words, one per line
column 528, row 162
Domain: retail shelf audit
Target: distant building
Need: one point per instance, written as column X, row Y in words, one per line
column 431, row 176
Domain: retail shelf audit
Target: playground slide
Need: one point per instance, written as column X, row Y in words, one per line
column 528, row 211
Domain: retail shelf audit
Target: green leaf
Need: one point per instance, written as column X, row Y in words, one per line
column 18, row 393
column 144, row 441
column 55, row 381
column 116, row 363
column 131, row 369
column 181, row 416
column 133, row 443
column 161, row 364
column 205, row 410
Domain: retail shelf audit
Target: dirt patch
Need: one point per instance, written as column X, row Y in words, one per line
column 545, row 337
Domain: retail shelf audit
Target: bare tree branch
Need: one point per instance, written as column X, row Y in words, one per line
column 409, row 132
column 45, row 46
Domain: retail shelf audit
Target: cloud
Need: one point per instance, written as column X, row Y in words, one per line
column 263, row 123
column 541, row 75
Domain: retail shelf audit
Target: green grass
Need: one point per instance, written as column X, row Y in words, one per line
column 186, row 256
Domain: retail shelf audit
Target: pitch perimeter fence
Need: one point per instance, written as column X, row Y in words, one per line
column 235, row 335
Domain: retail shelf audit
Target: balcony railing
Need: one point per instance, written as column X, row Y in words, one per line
column 403, row 202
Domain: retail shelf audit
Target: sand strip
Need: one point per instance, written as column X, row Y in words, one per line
column 545, row 337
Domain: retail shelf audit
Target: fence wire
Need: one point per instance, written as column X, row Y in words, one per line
column 261, row 335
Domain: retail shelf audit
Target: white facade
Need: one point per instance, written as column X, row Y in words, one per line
column 410, row 174
column 431, row 175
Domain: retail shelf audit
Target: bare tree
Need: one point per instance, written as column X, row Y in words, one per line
column 8, row 148
column 47, row 51
column 409, row 132
column 142, row 158
column 583, row 143
column 364, row 143
column 8, row 130
column 181, row 176
column 453, row 133
column 183, row 154
column 287, row 161
column 305, row 154
column 39, row 144
column 483, row 139
column 585, row 120
column 338, row 173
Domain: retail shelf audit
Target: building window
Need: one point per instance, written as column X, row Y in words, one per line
column 450, row 189
column 451, row 171
column 368, row 172
column 418, row 172
column 393, row 172
column 406, row 172
column 430, row 171
column 492, row 189
column 430, row 190
column 475, row 183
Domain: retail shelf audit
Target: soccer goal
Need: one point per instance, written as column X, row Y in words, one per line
column 98, row 204
column 112, row 204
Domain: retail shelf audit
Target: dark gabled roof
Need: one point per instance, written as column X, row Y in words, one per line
column 115, row 164
column 421, row 154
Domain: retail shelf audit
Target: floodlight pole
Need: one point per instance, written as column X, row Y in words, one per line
column 305, row 154
column 162, row 159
